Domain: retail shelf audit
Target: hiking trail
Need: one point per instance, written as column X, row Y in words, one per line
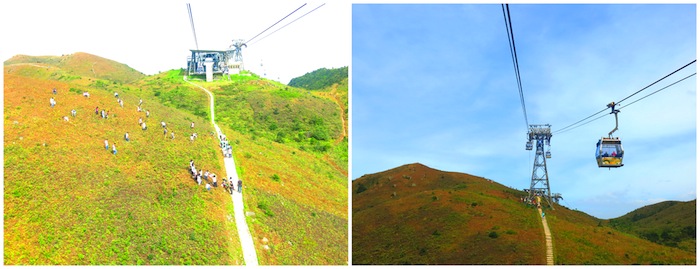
column 547, row 236
column 249, row 254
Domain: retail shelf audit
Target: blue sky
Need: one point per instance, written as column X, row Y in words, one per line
column 435, row 84
column 154, row 36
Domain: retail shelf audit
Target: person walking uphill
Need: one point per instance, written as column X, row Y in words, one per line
column 240, row 185
column 114, row 148
column 106, row 144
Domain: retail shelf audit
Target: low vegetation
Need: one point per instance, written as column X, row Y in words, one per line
column 291, row 152
column 70, row 201
column 417, row 215
column 140, row 206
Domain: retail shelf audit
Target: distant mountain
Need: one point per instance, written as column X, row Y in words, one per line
column 669, row 223
column 320, row 78
column 83, row 64
column 414, row 214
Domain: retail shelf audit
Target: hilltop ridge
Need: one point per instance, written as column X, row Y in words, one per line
column 84, row 65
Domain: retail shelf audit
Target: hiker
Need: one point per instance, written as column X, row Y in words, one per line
column 148, row 113
column 106, row 144
column 543, row 214
column 213, row 178
column 86, row 94
column 107, row 114
column 97, row 110
column 206, row 175
column 165, row 132
column 65, row 118
column 52, row 102
column 191, row 138
column 103, row 114
column 114, row 148
column 140, row 121
column 143, row 126
column 208, row 187
column 126, row 136
column 230, row 184
column 240, row 185
column 116, row 94
column 191, row 163
column 199, row 180
column 192, row 125
column 121, row 103
column 162, row 123
column 54, row 91
column 73, row 112
column 138, row 108
column 140, row 102
column 172, row 135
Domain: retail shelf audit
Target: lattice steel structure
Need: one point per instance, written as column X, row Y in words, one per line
column 540, row 134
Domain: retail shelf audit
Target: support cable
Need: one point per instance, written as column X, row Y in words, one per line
column 307, row 13
column 674, row 83
column 514, row 58
column 268, row 28
column 189, row 11
column 571, row 126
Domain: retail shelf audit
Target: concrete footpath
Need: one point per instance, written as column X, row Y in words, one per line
column 547, row 238
column 249, row 254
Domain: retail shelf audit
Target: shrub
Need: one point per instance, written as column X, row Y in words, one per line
column 493, row 234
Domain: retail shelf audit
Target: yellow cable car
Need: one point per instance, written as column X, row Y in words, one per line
column 609, row 150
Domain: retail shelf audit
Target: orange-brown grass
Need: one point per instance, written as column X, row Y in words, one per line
column 70, row 201
column 580, row 239
column 417, row 215
column 84, row 65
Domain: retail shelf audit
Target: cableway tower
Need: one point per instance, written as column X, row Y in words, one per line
column 540, row 135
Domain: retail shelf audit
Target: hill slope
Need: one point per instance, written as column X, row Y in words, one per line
column 417, row 215
column 320, row 78
column 67, row 200
column 294, row 169
column 81, row 65
column 669, row 223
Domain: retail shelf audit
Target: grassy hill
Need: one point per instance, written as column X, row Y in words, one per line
column 669, row 223
column 320, row 79
column 140, row 206
column 286, row 148
column 417, row 215
column 67, row 200
column 77, row 65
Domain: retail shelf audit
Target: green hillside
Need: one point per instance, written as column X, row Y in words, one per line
column 140, row 206
column 285, row 140
column 417, row 215
column 669, row 223
column 67, row 200
column 320, row 78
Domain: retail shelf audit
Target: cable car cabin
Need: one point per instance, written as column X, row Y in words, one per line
column 548, row 155
column 528, row 145
column 609, row 152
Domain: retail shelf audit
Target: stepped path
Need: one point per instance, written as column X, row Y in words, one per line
column 547, row 236
column 249, row 255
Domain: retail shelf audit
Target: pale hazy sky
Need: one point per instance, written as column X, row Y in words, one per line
column 153, row 36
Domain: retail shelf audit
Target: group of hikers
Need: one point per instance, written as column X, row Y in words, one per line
column 225, row 146
column 227, row 184
column 198, row 176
